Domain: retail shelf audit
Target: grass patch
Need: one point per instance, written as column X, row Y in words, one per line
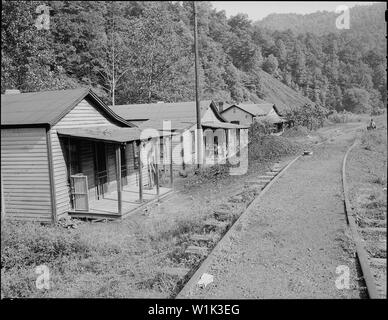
column 26, row 245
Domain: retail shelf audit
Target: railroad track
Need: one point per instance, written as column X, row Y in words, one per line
column 369, row 235
column 259, row 187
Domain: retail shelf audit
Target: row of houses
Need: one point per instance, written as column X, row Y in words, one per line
column 66, row 152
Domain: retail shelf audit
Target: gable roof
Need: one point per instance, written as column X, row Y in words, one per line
column 257, row 109
column 48, row 107
column 182, row 111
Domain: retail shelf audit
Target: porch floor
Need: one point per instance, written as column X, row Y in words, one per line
column 108, row 206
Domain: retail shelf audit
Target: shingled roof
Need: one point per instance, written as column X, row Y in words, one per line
column 48, row 107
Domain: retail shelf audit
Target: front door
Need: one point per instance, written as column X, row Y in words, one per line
column 101, row 172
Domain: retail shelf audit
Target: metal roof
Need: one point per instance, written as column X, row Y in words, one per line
column 48, row 107
column 255, row 109
column 184, row 111
column 110, row 134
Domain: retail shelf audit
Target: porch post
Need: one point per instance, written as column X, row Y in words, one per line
column 226, row 146
column 171, row 173
column 183, row 153
column 157, row 156
column 118, row 178
column 140, row 172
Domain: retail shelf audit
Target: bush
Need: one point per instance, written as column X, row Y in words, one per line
column 343, row 117
column 297, row 131
column 309, row 116
column 267, row 148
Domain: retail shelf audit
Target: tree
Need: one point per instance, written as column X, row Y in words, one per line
column 270, row 64
column 356, row 100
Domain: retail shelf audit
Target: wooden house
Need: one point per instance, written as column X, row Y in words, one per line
column 66, row 152
column 248, row 113
column 219, row 135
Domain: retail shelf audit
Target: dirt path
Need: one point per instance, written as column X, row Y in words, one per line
column 294, row 239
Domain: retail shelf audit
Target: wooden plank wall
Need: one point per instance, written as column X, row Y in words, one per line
column 24, row 167
column 83, row 115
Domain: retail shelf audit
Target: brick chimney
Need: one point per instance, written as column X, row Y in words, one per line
column 12, row 91
column 220, row 106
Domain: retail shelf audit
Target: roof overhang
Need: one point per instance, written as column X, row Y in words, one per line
column 223, row 125
column 111, row 134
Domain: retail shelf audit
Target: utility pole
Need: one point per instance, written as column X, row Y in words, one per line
column 197, row 102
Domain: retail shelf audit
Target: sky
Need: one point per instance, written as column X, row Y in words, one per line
column 257, row 10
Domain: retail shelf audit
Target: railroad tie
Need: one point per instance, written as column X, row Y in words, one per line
column 175, row 271
column 221, row 215
column 214, row 223
column 268, row 178
column 374, row 230
column 379, row 262
column 202, row 251
column 201, row 237
column 374, row 222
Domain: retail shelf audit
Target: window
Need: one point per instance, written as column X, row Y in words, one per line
column 235, row 122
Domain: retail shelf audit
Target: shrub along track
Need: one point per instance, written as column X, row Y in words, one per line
column 370, row 265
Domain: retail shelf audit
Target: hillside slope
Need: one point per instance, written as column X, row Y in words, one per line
column 281, row 95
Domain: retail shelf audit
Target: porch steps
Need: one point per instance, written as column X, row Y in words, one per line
column 175, row 271
column 202, row 251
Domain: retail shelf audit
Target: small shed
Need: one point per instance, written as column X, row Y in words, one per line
column 66, row 152
column 247, row 113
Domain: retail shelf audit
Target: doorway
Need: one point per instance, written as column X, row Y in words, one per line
column 101, row 172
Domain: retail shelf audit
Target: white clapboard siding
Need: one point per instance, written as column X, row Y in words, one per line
column 177, row 152
column 82, row 115
column 25, row 174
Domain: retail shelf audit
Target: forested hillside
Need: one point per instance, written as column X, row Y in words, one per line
column 134, row 52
